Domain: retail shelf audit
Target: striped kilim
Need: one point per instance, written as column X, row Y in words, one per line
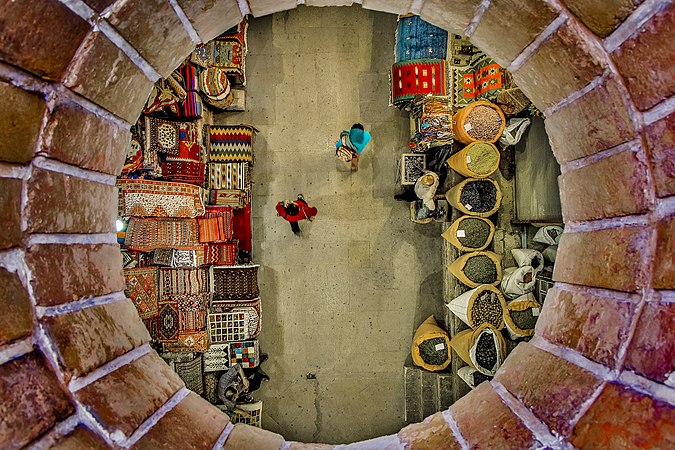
column 220, row 254
column 216, row 226
column 146, row 235
column 227, row 175
column 148, row 198
column 231, row 143
column 182, row 281
column 234, row 198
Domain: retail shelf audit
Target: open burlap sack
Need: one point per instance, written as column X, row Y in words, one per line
column 458, row 265
column 458, row 233
column 525, row 304
column 463, row 306
column 429, row 329
column 465, row 344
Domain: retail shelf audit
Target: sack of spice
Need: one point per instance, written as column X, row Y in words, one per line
column 477, row 306
column 471, row 376
column 478, row 160
column 479, row 121
column 475, row 196
column 548, row 235
column 483, row 349
column 431, row 346
column 470, row 234
column 521, row 316
column 550, row 252
column 476, row 268
column 514, row 131
column 528, row 257
column 517, row 281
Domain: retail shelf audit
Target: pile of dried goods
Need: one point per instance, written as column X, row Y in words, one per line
column 479, row 196
column 481, row 157
column 525, row 320
column 486, row 352
column 484, row 123
column 480, row 269
column 487, row 307
column 434, row 351
column 476, row 232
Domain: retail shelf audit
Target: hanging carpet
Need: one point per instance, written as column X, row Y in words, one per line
column 142, row 289
column 421, row 76
column 231, row 143
column 253, row 308
column 146, row 235
column 235, row 198
column 148, row 198
column 227, row 175
column 183, row 281
column 235, row 282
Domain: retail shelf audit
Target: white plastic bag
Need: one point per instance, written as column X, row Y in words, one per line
column 548, row 235
column 517, row 281
column 513, row 131
column 550, row 252
column 528, row 257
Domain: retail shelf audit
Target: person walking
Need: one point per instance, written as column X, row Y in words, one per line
column 295, row 211
column 351, row 144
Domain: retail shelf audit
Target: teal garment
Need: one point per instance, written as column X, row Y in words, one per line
column 358, row 138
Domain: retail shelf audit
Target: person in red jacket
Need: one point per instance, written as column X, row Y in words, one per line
column 294, row 211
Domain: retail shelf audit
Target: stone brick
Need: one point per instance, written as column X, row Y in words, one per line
column 59, row 203
column 40, row 36
column 321, row 3
column 10, row 212
column 563, row 64
column 596, row 121
column 99, row 5
column 77, row 136
column 90, row 337
column 660, row 138
column 21, row 119
column 265, row 7
column 155, row 30
column 106, row 76
column 600, row 16
column 495, row 31
column 211, row 18
column 653, row 79
column 64, row 273
column 16, row 320
column 593, row 325
column 244, row 437
column 623, row 418
column 455, row 19
column 652, row 351
column 498, row 428
column 432, row 433
column 125, row 398
column 664, row 267
column 301, row 446
column 552, row 388
column 610, row 258
column 81, row 438
column 619, row 188
column 31, row 402
column 389, row 6
column 194, row 423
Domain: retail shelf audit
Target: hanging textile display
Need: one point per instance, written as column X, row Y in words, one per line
column 189, row 136
column 251, row 307
column 246, row 353
column 216, row 225
column 228, row 52
column 421, row 76
column 197, row 341
column 220, row 254
column 191, row 373
column 142, row 289
column 461, row 50
column 183, row 281
column 417, row 39
column 235, row 282
column 146, row 235
column 228, row 326
column 134, row 157
column 227, row 175
column 184, row 172
column 243, row 231
column 167, row 320
column 235, row 198
column 148, row 198
column 482, row 79
column 162, row 136
column 231, row 143
column 215, row 86
column 217, row 358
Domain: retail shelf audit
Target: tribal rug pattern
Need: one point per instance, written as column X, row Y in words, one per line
column 252, row 307
column 235, row 282
column 413, row 77
column 148, row 198
column 183, row 281
column 142, row 289
column 146, row 235
column 227, row 175
column 231, row 143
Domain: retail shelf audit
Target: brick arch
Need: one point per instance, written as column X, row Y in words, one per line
column 75, row 365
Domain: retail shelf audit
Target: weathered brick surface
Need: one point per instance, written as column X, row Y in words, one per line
column 76, row 136
column 660, row 138
column 432, row 433
column 244, row 437
column 619, row 188
column 486, row 422
column 623, row 418
column 495, row 31
column 264, row 7
column 653, row 79
column 602, row 16
column 454, row 19
column 592, row 325
column 31, row 402
column 21, row 119
column 301, row 446
column 604, row 258
column 64, row 273
column 10, row 212
column 552, row 388
column 91, row 337
column 99, row 5
column 154, row 29
column 652, row 351
column 194, row 422
column 596, row 121
column 562, row 65
column 390, row 6
column 125, row 398
column 16, row 320
column 81, row 438
column 328, row 2
column 59, row 203
column 40, row 36
column 103, row 74
column 664, row 266
column 210, row 18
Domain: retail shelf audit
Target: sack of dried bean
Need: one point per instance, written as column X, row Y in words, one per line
column 431, row 346
column 476, row 268
column 483, row 349
column 475, row 196
column 471, row 376
column 521, row 316
column 477, row 306
column 517, row 281
column 528, row 257
column 470, row 234
column 478, row 160
column 548, row 235
column 479, row 121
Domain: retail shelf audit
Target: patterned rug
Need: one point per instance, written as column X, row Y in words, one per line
column 163, row 136
column 252, row 307
column 167, row 321
column 227, row 175
column 235, row 198
column 246, row 353
column 228, row 52
column 182, row 281
column 482, row 79
column 217, row 224
column 228, row 327
column 188, row 144
column 231, row 143
column 191, row 374
column 220, row 254
column 421, row 76
column 235, row 283
column 189, row 342
column 148, row 198
column 417, row 39
column 192, row 311
column 142, row 289
column 146, row 235
column 184, row 172
column 243, row 231
column 217, row 358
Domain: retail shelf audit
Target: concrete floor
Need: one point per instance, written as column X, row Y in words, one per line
column 342, row 302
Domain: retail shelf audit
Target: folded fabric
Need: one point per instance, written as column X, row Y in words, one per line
column 216, row 225
column 235, row 198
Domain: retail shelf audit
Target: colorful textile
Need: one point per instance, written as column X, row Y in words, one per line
column 417, row 39
column 252, row 307
column 134, row 157
column 143, row 290
column 192, row 311
column 143, row 198
column 191, row 373
column 421, row 76
column 189, row 342
column 190, row 76
column 188, row 144
column 192, row 108
column 231, row 143
column 184, row 172
column 215, row 86
column 145, row 235
column 235, row 282
column 182, row 281
column 248, row 413
column 512, row 101
column 152, row 326
column 243, row 231
column 220, row 254
column 234, row 198
column 228, row 326
column 461, row 50
column 227, row 175
column 211, row 381
column 228, row 52
column 201, row 56
column 434, row 126
column 163, row 96
column 162, row 136
column 162, row 257
column 184, row 258
column 482, row 79
column 246, row 353
column 217, row 358
column 167, row 321
column 216, row 225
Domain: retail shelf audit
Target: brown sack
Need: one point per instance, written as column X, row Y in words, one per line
column 477, row 160
column 460, row 125
column 457, row 268
column 522, row 303
column 429, row 329
column 464, row 343
column 455, row 232
column 454, row 195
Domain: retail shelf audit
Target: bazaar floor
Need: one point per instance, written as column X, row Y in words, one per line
column 340, row 304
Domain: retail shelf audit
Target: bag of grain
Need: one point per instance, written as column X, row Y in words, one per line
column 477, row 306
column 479, row 121
column 517, row 281
column 550, row 252
column 548, row 235
column 477, row 160
column 431, row 346
column 470, row 234
column 471, row 376
column 476, row 268
column 528, row 257
column 521, row 316
column 514, row 131
column 483, row 349
column 475, row 196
